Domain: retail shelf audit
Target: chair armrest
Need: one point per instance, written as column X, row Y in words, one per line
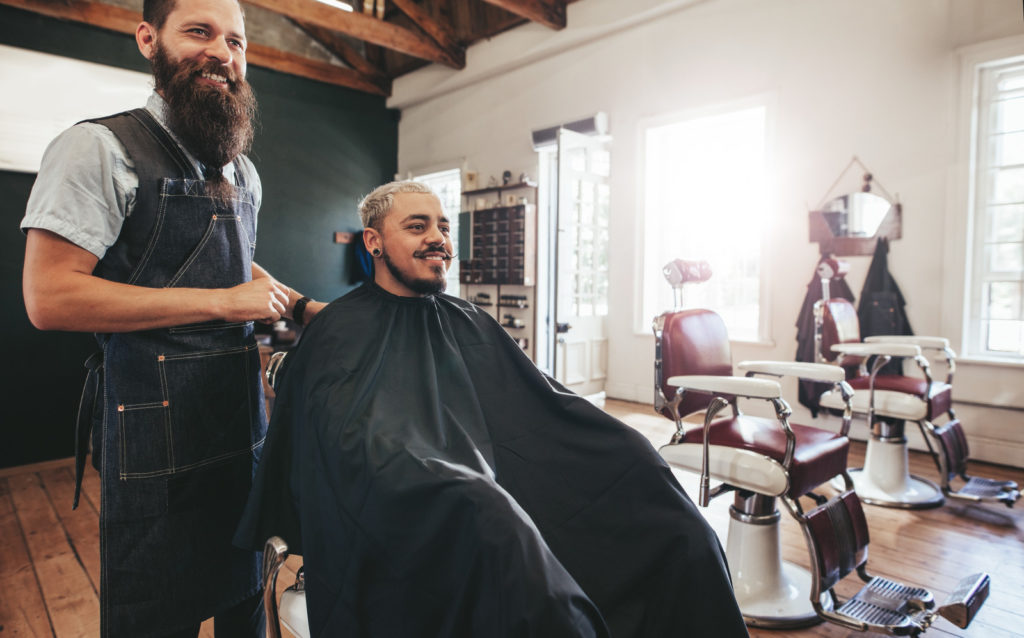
column 925, row 343
column 823, row 372
column 735, row 386
column 877, row 349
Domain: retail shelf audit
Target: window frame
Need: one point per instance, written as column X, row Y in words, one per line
column 966, row 230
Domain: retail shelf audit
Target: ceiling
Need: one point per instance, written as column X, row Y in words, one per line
column 362, row 49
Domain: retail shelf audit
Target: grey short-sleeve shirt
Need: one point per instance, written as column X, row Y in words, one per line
column 86, row 184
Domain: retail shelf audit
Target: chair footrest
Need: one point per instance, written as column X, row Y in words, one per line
column 965, row 601
column 890, row 606
column 983, row 489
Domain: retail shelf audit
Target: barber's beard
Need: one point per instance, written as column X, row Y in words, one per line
column 216, row 125
column 420, row 286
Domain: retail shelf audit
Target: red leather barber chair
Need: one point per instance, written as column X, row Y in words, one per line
column 290, row 612
column 888, row 401
column 765, row 460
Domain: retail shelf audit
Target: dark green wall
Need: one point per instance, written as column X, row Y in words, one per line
column 318, row 149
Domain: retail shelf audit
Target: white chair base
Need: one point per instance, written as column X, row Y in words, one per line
column 770, row 592
column 885, row 478
column 293, row 613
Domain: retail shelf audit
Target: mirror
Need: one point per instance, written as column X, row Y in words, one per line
column 856, row 214
column 851, row 224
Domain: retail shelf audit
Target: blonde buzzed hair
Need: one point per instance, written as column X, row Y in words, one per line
column 375, row 206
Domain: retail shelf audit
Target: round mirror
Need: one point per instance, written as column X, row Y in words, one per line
column 856, row 215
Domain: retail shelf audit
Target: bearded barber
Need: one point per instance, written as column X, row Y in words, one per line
column 141, row 228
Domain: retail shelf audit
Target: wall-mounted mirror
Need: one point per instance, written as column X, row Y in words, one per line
column 851, row 224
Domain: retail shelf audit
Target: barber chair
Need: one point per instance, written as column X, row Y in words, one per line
column 762, row 460
column 290, row 612
column 888, row 401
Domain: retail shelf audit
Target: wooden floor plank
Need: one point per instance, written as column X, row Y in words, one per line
column 91, row 485
column 22, row 610
column 80, row 524
column 70, row 600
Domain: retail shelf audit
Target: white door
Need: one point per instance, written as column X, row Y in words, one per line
column 581, row 285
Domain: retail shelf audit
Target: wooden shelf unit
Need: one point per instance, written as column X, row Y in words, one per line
column 499, row 240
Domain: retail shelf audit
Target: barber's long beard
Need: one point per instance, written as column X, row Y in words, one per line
column 215, row 125
column 420, row 286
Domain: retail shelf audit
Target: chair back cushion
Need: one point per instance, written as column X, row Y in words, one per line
column 693, row 342
column 840, row 326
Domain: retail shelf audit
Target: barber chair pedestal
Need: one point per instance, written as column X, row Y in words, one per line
column 771, row 593
column 885, row 478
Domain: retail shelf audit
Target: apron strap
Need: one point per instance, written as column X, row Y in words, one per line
column 83, row 424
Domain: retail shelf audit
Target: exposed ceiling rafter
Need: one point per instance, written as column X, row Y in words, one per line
column 339, row 46
column 550, row 13
column 441, row 33
column 366, row 28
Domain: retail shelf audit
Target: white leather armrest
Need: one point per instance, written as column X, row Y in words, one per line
column 809, row 371
column 736, row 386
column 871, row 349
column 925, row 343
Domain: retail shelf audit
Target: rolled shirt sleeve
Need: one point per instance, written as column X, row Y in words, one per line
column 85, row 187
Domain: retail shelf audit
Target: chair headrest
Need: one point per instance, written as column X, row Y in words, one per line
column 832, row 269
column 680, row 271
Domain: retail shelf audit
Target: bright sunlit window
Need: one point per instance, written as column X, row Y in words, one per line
column 704, row 198
column 448, row 186
column 996, row 306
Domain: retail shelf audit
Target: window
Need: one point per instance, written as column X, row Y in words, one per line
column 584, row 225
column 448, row 186
column 995, row 327
column 704, row 198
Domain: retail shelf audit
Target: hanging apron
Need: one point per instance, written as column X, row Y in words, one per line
column 179, row 411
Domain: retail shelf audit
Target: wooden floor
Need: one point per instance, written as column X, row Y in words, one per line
column 49, row 554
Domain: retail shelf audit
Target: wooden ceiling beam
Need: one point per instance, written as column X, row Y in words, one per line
column 550, row 13
column 121, row 20
column 364, row 27
column 105, row 16
column 271, row 58
column 441, row 33
column 336, row 44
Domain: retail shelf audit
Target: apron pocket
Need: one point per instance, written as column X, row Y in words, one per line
column 213, row 398
column 145, row 439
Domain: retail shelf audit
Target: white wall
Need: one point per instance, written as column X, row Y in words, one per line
column 872, row 78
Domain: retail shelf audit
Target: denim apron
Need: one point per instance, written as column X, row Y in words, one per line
column 179, row 410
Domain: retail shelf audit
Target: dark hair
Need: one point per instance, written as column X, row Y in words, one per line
column 155, row 12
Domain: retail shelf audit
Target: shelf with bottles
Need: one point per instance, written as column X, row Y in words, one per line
column 481, row 299
column 519, row 302
column 512, row 322
column 518, row 320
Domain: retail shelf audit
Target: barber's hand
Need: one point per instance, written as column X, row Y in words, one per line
column 262, row 299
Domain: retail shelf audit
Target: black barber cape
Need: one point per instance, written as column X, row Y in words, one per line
column 436, row 483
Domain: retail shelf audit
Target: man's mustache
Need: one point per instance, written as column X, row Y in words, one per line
column 447, row 256
column 215, row 68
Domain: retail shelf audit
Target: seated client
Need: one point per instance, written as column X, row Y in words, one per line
column 436, row 483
